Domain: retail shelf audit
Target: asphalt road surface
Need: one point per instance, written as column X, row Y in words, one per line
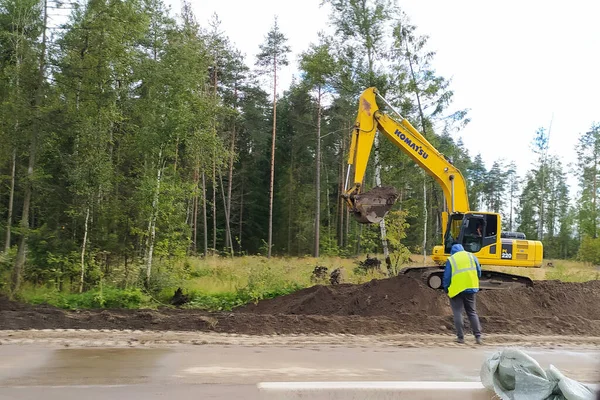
column 34, row 371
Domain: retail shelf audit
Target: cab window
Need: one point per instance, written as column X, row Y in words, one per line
column 491, row 230
column 474, row 231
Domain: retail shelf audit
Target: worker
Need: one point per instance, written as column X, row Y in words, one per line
column 461, row 283
column 479, row 231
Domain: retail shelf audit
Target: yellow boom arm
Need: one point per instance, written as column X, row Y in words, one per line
column 410, row 141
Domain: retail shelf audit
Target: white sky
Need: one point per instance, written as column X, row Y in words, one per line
column 516, row 64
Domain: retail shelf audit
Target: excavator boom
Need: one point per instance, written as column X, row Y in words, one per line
column 371, row 207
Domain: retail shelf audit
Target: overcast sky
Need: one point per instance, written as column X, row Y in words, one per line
column 517, row 65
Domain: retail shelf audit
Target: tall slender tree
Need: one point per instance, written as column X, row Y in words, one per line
column 588, row 170
column 319, row 67
column 35, row 135
column 20, row 23
column 273, row 55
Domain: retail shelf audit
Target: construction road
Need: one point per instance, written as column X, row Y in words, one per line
column 52, row 370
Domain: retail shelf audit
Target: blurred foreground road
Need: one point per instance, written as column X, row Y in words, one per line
column 51, row 372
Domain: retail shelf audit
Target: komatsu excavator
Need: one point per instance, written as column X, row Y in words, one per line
column 479, row 232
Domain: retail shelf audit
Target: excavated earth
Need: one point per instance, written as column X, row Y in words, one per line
column 395, row 305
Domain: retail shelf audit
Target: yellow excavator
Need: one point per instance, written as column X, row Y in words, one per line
column 479, row 232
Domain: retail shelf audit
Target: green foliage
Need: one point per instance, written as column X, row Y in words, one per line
column 589, row 251
column 396, row 228
column 563, row 273
column 228, row 301
column 7, row 260
column 318, row 63
column 273, row 52
column 107, row 297
column 588, row 165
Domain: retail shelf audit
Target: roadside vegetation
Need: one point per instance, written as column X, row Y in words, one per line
column 215, row 283
column 221, row 283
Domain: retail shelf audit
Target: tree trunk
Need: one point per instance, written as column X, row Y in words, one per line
column 341, row 203
column 153, row 217
column 229, row 189
column 327, row 202
column 195, row 211
column 205, row 219
column 11, row 197
column 228, row 231
column 241, row 215
column 384, row 243
column 176, row 154
column 347, row 222
column 290, row 199
column 512, row 193
column 20, row 260
column 318, row 180
column 231, row 158
column 541, row 204
column 272, row 182
column 424, row 220
column 24, row 225
column 83, row 246
column 214, row 205
column 595, row 213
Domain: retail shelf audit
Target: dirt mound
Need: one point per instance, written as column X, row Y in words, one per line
column 544, row 299
column 386, row 297
column 403, row 295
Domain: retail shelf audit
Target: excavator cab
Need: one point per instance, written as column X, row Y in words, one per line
column 472, row 230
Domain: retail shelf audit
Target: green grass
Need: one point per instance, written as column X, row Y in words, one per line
column 562, row 270
column 571, row 271
column 218, row 283
column 105, row 298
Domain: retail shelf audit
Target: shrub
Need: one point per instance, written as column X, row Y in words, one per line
column 589, row 251
column 105, row 298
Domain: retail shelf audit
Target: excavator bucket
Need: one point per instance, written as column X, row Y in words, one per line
column 372, row 206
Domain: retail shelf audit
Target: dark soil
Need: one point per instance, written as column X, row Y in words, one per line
column 386, row 297
column 394, row 305
column 404, row 295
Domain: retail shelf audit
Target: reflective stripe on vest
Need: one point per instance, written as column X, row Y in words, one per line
column 464, row 273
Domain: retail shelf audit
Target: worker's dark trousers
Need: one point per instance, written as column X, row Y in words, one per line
column 465, row 301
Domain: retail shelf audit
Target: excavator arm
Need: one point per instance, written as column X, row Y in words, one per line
column 371, row 207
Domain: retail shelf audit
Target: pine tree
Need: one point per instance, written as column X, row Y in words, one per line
column 588, row 169
column 273, row 55
column 319, row 67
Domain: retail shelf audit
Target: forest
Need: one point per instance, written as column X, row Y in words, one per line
column 134, row 137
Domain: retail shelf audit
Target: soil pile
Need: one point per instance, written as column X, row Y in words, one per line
column 544, row 299
column 395, row 297
column 386, row 297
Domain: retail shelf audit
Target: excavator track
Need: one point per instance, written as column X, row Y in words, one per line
column 490, row 280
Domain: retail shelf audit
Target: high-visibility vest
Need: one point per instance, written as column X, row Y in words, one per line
column 464, row 273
